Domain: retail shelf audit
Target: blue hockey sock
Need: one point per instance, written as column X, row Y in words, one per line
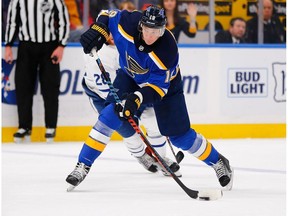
column 88, row 155
column 197, row 145
column 204, row 150
column 109, row 118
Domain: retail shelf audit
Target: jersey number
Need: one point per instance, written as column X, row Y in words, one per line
column 168, row 76
column 99, row 79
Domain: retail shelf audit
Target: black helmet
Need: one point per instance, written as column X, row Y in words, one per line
column 154, row 17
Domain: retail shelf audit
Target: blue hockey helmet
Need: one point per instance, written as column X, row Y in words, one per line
column 154, row 17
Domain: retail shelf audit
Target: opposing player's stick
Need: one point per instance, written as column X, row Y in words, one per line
column 179, row 156
column 199, row 195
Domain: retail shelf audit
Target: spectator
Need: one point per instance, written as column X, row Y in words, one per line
column 74, row 17
column 175, row 23
column 97, row 5
column 127, row 5
column 76, row 26
column 218, row 26
column 41, row 46
column 235, row 34
column 273, row 29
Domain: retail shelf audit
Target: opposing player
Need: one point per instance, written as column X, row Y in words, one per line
column 150, row 74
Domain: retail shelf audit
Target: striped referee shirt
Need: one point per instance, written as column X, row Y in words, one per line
column 37, row 21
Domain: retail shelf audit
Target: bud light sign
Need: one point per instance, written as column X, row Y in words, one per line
column 248, row 82
column 279, row 74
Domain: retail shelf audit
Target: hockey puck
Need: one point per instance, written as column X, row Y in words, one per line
column 210, row 195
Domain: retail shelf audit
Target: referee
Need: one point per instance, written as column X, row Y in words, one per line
column 43, row 29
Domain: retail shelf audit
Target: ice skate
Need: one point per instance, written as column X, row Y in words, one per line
column 77, row 175
column 50, row 134
column 22, row 135
column 172, row 165
column 224, row 172
column 156, row 165
column 148, row 162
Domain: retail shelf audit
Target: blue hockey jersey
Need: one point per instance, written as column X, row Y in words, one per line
column 152, row 66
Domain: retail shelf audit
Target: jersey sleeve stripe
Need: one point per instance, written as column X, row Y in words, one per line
column 124, row 34
column 157, row 61
column 160, row 91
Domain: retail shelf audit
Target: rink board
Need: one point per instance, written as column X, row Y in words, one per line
column 231, row 92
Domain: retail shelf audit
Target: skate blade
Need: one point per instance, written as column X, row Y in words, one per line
column 178, row 173
column 49, row 140
column 70, row 188
column 25, row 139
column 229, row 186
column 166, row 173
column 18, row 140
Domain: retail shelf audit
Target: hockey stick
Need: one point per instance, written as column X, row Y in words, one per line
column 199, row 195
column 179, row 156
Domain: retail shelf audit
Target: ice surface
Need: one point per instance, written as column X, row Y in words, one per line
column 33, row 182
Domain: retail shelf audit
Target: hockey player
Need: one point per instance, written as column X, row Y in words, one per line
column 97, row 91
column 151, row 74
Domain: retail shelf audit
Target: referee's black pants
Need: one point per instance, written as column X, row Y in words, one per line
column 35, row 59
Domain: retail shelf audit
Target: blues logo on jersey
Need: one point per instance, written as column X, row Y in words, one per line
column 133, row 67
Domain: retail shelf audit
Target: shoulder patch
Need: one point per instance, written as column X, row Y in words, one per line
column 112, row 13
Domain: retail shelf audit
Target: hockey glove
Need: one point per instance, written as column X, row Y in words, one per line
column 95, row 36
column 128, row 107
